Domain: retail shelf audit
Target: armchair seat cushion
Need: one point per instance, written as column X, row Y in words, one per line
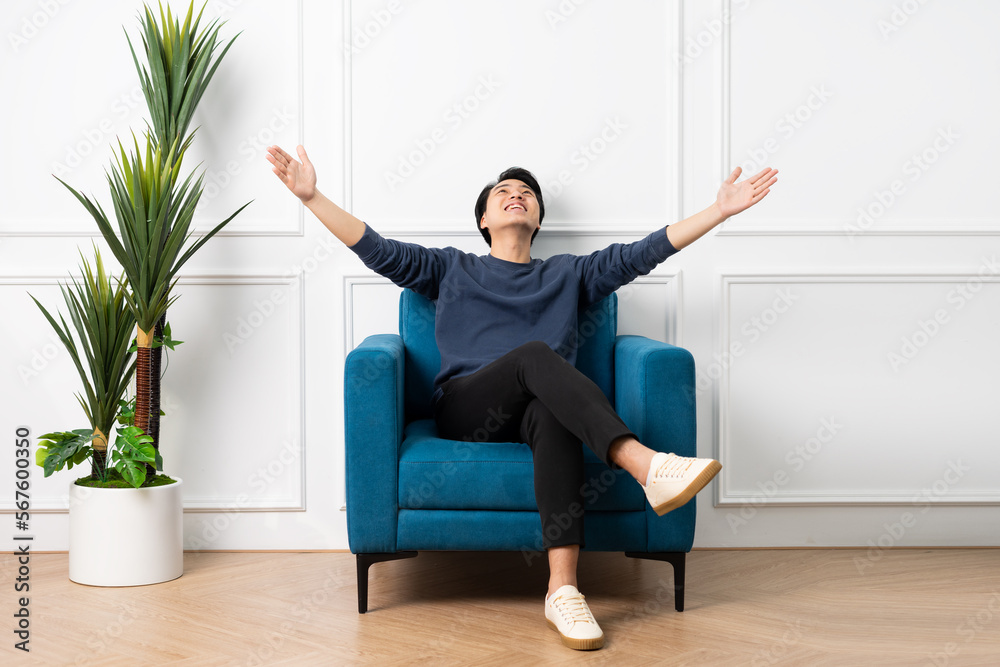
column 440, row 474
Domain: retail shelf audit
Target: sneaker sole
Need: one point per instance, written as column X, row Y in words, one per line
column 578, row 644
column 699, row 483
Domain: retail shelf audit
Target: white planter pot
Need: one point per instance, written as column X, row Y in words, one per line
column 126, row 537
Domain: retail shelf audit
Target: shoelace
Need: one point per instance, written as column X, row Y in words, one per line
column 573, row 609
column 674, row 467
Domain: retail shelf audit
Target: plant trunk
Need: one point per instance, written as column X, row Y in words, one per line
column 100, row 461
column 156, row 361
column 145, row 380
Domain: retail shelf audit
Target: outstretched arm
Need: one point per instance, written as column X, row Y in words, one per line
column 300, row 178
column 733, row 198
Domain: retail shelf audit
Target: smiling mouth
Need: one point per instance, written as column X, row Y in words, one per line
column 514, row 206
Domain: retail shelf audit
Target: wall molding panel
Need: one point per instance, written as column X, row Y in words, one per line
column 876, row 198
column 218, row 153
column 669, row 311
column 449, row 225
column 954, row 303
column 288, row 461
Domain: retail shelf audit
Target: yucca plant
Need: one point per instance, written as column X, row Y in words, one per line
column 178, row 70
column 153, row 207
column 100, row 350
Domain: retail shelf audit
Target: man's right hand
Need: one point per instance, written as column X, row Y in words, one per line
column 299, row 177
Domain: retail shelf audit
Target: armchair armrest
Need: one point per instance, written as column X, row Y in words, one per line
column 373, row 430
column 655, row 393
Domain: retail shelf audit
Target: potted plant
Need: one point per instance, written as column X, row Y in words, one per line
column 100, row 344
column 153, row 210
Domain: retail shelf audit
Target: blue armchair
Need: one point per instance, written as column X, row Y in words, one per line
column 409, row 490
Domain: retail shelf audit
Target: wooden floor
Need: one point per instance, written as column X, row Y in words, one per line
column 781, row 607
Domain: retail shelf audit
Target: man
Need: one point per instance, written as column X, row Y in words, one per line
column 507, row 339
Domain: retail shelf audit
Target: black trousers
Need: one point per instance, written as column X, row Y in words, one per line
column 533, row 395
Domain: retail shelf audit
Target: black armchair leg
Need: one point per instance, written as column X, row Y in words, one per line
column 364, row 562
column 675, row 558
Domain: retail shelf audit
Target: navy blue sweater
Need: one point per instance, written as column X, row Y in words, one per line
column 486, row 306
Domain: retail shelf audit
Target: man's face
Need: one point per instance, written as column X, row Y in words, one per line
column 511, row 203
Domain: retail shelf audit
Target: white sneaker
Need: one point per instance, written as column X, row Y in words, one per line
column 568, row 614
column 676, row 479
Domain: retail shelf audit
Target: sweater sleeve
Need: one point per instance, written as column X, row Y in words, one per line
column 604, row 271
column 405, row 264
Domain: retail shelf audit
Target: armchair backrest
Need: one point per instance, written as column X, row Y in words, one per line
column 596, row 330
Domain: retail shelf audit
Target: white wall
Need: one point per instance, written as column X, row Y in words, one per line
column 845, row 366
